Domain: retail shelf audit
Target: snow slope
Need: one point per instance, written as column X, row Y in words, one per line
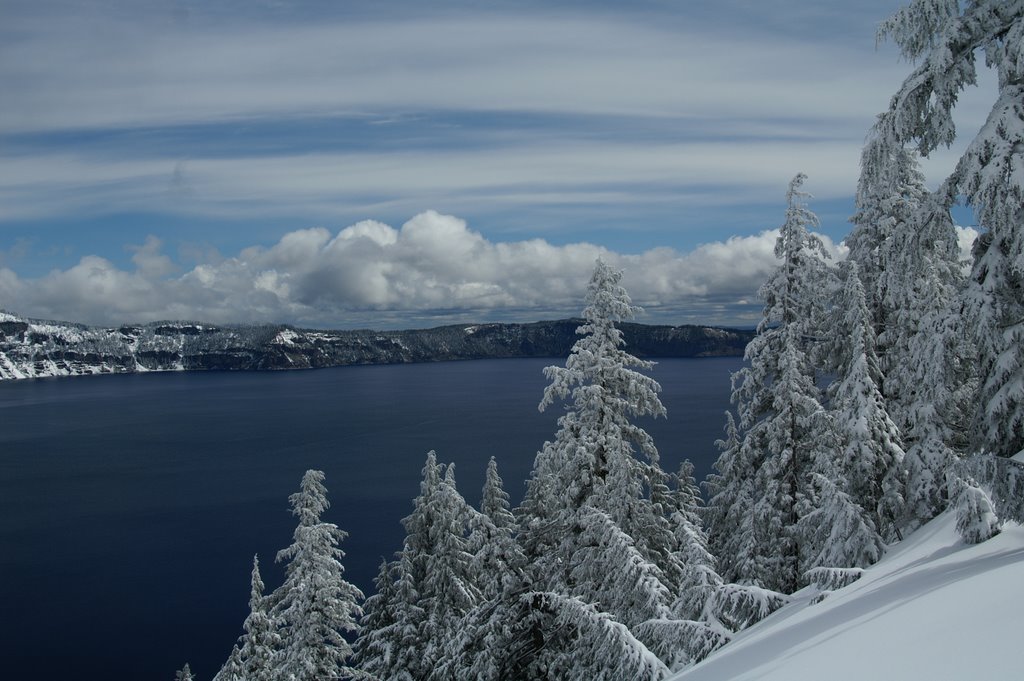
column 932, row 609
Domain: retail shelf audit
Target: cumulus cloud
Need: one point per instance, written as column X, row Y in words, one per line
column 434, row 269
column 965, row 237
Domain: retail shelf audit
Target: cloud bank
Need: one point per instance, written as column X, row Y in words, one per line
column 432, row 270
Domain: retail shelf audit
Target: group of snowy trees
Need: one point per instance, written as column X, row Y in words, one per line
column 926, row 365
column 603, row 572
column 868, row 385
column 298, row 631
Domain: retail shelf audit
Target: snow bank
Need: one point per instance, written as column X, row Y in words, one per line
column 932, row 609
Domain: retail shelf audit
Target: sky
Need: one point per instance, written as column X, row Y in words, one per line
column 341, row 164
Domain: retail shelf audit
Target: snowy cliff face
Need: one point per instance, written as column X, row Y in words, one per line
column 30, row 348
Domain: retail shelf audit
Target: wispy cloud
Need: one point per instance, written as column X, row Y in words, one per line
column 98, row 70
column 547, row 107
column 592, row 172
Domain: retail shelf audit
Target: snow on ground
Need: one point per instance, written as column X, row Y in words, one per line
column 932, row 609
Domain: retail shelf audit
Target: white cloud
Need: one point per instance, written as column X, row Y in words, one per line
column 433, row 269
column 965, row 237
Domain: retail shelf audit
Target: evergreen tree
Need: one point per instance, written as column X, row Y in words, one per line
column 929, row 361
column 498, row 562
column 731, row 493
column 836, row 530
column 945, row 37
column 494, row 500
column 976, row 519
column 592, row 461
column 260, row 642
column 609, row 571
column 906, row 247
column 545, row 635
column 185, row 674
column 872, row 458
column 233, row 669
column 315, row 606
column 600, row 524
column 390, row 627
column 784, row 425
column 434, row 584
column 448, row 589
column 700, row 578
column 792, row 436
column 889, row 193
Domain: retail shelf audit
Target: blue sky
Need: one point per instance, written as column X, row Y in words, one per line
column 386, row 164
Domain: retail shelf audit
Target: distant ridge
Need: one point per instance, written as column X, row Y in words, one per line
column 34, row 348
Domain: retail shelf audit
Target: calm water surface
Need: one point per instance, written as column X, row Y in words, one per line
column 131, row 506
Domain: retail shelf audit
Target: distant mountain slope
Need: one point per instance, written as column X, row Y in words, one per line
column 933, row 609
column 32, row 348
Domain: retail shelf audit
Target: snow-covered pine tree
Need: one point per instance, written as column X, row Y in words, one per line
column 533, row 635
column 435, row 586
column 889, row 194
column 498, row 562
column 593, row 459
column 233, row 669
column 906, row 247
column 184, row 674
column 731, row 496
column 448, row 588
column 871, row 460
column 700, row 578
column 705, row 596
column 389, row 627
column 315, row 606
column 792, row 436
column 609, row 571
column 784, row 425
column 389, row 646
column 836, row 531
column 976, row 519
column 260, row 642
column 928, row 361
column 945, row 37
column 494, row 501
column 597, row 522
column 407, row 639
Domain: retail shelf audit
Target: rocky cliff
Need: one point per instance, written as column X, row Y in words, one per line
column 31, row 348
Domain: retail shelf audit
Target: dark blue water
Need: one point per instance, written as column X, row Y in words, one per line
column 131, row 506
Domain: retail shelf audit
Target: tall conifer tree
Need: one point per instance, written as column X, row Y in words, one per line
column 871, row 459
column 260, row 642
column 784, row 425
column 315, row 606
column 945, row 38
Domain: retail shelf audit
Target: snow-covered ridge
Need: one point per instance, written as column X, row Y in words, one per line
column 934, row 608
column 33, row 348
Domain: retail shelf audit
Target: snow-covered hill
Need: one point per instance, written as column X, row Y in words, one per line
column 933, row 609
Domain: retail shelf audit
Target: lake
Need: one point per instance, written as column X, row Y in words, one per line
column 131, row 505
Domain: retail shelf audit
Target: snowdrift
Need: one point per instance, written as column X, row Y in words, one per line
column 933, row 608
